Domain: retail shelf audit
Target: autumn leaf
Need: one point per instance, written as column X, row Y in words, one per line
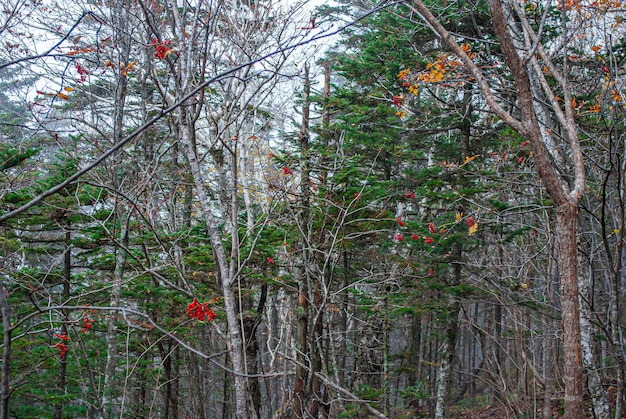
column 404, row 74
column 616, row 96
column 594, row 108
column 397, row 100
column 432, row 228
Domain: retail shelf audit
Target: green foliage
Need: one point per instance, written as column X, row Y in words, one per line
column 11, row 157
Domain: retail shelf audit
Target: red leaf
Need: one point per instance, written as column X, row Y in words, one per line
column 432, row 228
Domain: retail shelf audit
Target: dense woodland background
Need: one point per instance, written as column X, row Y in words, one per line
column 370, row 237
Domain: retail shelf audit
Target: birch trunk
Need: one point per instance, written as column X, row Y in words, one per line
column 597, row 392
column 444, row 375
column 302, row 342
column 107, row 404
column 221, row 262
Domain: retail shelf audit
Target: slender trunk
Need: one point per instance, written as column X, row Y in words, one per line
column 444, row 376
column 316, row 354
column 302, row 334
column 108, row 407
column 597, row 392
column 7, row 330
column 67, row 276
column 221, row 261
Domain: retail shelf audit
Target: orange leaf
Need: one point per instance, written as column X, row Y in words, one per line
column 62, row 95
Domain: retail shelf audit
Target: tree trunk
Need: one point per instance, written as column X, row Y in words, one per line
column 566, row 232
column 67, row 278
column 444, row 376
column 7, row 330
column 107, row 405
column 302, row 334
column 221, row 262
column 597, row 392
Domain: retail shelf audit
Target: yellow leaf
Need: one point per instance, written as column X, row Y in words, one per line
column 473, row 229
column 68, row 89
column 458, row 217
column 616, row 231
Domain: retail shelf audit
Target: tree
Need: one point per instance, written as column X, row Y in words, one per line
column 526, row 72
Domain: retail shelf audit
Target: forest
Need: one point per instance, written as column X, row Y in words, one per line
column 296, row 209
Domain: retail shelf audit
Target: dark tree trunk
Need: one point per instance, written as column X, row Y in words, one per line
column 5, row 311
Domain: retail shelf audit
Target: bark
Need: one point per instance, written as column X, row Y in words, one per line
column 7, row 331
column 566, row 232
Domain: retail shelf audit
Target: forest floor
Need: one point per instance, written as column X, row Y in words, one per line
column 492, row 412
column 480, row 412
